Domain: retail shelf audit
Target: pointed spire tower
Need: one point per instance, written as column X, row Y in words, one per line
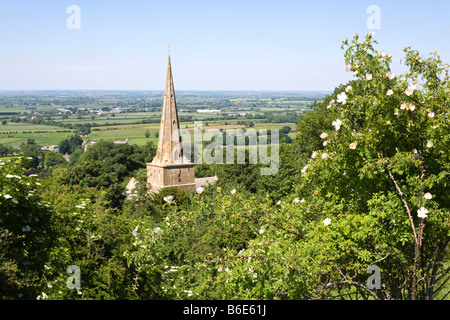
column 169, row 144
column 169, row 167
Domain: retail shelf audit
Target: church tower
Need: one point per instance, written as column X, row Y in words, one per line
column 170, row 168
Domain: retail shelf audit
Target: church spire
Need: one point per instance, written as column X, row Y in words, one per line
column 169, row 148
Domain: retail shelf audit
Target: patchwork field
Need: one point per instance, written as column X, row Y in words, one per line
column 50, row 117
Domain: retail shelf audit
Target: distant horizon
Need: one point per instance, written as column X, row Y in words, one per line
column 162, row 90
column 178, row 93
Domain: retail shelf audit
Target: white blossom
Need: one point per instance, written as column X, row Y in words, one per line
column 337, row 124
column 13, row 176
column 199, row 190
column 422, row 212
column 168, row 198
column 342, row 98
column 135, row 233
column 410, row 90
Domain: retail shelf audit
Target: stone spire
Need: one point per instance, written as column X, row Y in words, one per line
column 169, row 148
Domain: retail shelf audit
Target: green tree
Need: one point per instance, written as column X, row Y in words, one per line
column 105, row 166
column 310, row 127
column 33, row 151
column 52, row 159
column 64, row 146
column 238, row 176
column 76, row 155
column 26, row 231
column 285, row 129
column 70, row 144
column 6, row 150
column 91, row 235
column 282, row 183
column 121, row 159
column 148, row 151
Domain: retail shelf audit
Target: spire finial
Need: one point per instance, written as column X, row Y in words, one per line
column 169, row 49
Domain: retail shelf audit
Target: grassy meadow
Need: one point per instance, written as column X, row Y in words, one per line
column 140, row 118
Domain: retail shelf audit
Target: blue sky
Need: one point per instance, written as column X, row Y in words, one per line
column 215, row 45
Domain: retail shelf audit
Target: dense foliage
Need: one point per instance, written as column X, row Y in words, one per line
column 364, row 184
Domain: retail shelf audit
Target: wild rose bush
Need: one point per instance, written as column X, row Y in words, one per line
column 386, row 169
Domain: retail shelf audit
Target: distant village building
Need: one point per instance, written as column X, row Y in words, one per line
column 61, row 111
column 50, row 148
column 85, row 144
column 209, row 111
column 131, row 189
column 120, row 142
column 119, row 110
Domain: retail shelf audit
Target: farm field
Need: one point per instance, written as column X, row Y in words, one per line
column 50, row 117
column 135, row 133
